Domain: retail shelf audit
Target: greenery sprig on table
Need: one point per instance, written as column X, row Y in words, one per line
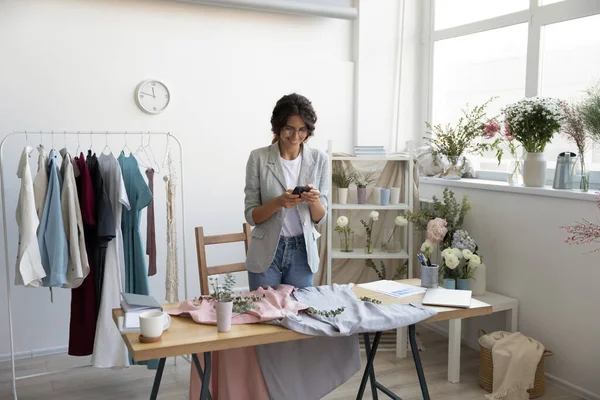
column 326, row 313
column 224, row 293
column 370, row 300
column 467, row 137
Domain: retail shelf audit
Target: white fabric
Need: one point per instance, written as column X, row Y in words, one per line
column 515, row 359
column 109, row 348
column 28, row 270
column 40, row 182
column 291, row 171
column 78, row 266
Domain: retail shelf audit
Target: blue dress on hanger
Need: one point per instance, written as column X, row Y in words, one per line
column 138, row 192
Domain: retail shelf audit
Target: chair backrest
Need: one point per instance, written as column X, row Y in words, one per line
column 202, row 241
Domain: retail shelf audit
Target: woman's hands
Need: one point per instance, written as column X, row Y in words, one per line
column 289, row 200
column 312, row 196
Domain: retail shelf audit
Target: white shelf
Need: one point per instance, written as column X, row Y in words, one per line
column 352, row 158
column 336, row 206
column 359, row 253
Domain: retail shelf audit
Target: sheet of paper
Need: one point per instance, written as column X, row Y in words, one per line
column 392, row 288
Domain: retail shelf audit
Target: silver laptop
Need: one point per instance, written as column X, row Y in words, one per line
column 447, row 298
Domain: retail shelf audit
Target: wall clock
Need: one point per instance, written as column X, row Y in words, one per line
column 152, row 96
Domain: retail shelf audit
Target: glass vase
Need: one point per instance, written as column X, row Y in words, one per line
column 369, row 246
column 391, row 241
column 584, row 184
column 347, row 241
column 515, row 172
column 454, row 170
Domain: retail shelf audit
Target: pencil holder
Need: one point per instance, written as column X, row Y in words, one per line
column 429, row 276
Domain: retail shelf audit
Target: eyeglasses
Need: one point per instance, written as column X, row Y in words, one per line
column 290, row 130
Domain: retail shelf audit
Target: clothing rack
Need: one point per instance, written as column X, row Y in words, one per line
column 42, row 133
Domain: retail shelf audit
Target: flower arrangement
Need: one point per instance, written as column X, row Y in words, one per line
column 346, row 234
column 533, row 121
column 450, row 210
column 583, row 233
column 467, row 137
column 436, row 230
column 388, row 246
column 574, row 129
column 362, row 180
column 373, row 216
column 459, row 263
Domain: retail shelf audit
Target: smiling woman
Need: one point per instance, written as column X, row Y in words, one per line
column 283, row 248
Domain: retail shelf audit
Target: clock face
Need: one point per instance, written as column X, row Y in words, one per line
column 152, row 96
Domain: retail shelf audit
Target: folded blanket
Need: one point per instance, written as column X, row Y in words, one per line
column 515, row 358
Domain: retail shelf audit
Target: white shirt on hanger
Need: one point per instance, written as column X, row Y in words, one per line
column 78, row 266
column 29, row 269
column 109, row 348
column 40, row 182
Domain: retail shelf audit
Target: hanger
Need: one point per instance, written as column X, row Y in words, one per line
column 65, row 133
column 52, row 141
column 106, row 146
column 77, row 151
column 138, row 152
column 126, row 147
column 91, row 143
column 155, row 166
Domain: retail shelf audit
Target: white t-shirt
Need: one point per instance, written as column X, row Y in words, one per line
column 291, row 170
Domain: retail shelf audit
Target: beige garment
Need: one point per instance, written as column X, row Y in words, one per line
column 78, row 266
column 387, row 174
column 515, row 358
column 40, row 182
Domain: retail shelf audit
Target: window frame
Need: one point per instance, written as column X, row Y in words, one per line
column 536, row 16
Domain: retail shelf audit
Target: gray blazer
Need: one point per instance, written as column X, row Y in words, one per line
column 265, row 181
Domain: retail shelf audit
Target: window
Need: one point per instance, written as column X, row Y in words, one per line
column 508, row 49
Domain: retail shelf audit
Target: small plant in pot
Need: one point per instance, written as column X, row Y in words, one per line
column 533, row 122
column 459, row 265
column 362, row 180
column 342, row 178
column 223, row 295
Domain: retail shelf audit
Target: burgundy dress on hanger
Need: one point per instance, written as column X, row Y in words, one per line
column 82, row 328
column 150, row 227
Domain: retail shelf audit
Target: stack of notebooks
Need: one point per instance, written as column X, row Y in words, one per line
column 133, row 305
column 369, row 151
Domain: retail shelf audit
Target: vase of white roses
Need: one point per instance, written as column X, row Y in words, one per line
column 346, row 234
column 373, row 216
column 461, row 260
column 533, row 122
column 391, row 237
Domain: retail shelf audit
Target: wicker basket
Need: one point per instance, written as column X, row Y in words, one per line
column 486, row 372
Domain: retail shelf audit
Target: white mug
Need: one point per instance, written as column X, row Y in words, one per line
column 153, row 323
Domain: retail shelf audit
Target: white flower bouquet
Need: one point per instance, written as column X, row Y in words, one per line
column 533, row 121
column 392, row 245
column 373, row 216
column 459, row 263
column 342, row 226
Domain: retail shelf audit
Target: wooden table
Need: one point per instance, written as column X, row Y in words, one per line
column 186, row 337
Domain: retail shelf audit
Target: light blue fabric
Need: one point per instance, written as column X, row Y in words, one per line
column 51, row 234
column 138, row 192
column 289, row 266
column 357, row 317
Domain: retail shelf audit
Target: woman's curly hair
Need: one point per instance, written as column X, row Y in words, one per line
column 293, row 104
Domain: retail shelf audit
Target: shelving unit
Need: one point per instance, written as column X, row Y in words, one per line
column 405, row 205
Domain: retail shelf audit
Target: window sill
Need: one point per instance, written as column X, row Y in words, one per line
column 499, row 186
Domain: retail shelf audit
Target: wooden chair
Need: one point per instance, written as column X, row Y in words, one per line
column 202, row 241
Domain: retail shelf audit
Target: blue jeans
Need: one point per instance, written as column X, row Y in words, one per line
column 289, row 266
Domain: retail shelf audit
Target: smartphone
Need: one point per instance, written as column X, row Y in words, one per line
column 301, row 189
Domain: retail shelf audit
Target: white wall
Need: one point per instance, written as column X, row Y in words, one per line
column 74, row 65
column 556, row 284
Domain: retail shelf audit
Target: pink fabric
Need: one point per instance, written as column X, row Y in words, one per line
column 276, row 304
column 236, row 375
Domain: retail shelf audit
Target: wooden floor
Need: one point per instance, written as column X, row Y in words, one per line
column 136, row 382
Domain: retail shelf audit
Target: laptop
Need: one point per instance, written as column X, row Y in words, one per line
column 447, row 298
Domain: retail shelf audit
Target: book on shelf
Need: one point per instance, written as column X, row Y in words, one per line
column 133, row 305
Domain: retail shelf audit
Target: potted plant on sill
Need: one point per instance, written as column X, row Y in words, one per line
column 362, row 180
column 467, row 137
column 342, row 178
column 533, row 122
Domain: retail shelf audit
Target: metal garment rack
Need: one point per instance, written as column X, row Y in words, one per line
column 168, row 135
